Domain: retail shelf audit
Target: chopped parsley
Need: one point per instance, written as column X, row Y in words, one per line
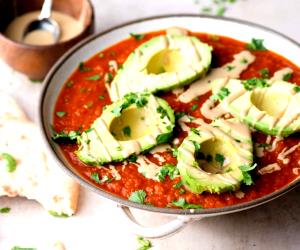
column 254, row 82
column 287, row 77
column 244, row 61
column 163, row 138
column 83, row 68
column 162, row 111
column 195, row 131
column 194, row 107
column 139, row 100
column 23, row 248
column 223, row 92
column 220, row 158
column 36, row 81
column 88, row 105
column 263, row 145
column 108, row 77
column 229, row 67
column 178, row 115
column 56, row 214
column 167, row 170
column 137, row 37
column 175, row 151
column 264, row 73
column 178, row 185
column 220, row 11
column 69, row 84
column 196, row 145
column 138, row 196
column 101, row 55
column 181, row 202
column 101, row 97
column 72, row 135
column 105, row 178
column 127, row 131
column 143, row 244
column 11, row 163
column 4, row 210
column 247, row 179
column 132, row 158
column 256, row 45
column 61, row 114
column 95, row 77
column 296, row 89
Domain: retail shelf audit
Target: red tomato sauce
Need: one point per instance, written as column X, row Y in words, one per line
column 83, row 101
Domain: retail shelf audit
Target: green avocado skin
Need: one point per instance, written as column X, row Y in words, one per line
column 134, row 75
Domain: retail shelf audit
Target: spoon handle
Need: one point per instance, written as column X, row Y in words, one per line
column 46, row 10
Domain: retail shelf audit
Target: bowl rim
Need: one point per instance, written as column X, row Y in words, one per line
column 121, row 201
column 48, row 46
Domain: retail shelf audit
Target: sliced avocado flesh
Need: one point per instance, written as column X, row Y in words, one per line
column 272, row 109
column 132, row 125
column 210, row 157
column 162, row 63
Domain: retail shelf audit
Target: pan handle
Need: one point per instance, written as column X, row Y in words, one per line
column 164, row 230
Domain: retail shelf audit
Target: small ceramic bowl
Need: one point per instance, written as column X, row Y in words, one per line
column 32, row 60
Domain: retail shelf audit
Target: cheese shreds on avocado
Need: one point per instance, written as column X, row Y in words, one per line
column 240, row 63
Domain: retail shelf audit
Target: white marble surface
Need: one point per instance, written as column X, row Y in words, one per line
column 99, row 224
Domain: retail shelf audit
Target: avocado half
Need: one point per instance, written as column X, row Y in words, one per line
column 212, row 156
column 132, row 125
column 272, row 107
column 162, row 63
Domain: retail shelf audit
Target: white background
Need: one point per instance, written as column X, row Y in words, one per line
column 98, row 223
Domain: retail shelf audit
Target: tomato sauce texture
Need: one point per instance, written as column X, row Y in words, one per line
column 82, row 100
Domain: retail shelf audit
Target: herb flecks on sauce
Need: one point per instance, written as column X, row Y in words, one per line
column 256, row 45
column 11, row 163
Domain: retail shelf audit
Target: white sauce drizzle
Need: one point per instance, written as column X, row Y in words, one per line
column 202, row 86
column 274, row 143
column 159, row 158
column 147, row 168
column 160, row 148
column 113, row 65
column 176, row 141
column 269, row 169
column 114, row 172
column 284, row 153
column 259, row 151
column 296, row 171
column 239, row 194
column 178, row 91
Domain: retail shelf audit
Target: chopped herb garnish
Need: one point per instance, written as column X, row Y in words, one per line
column 195, row 131
column 196, row 145
column 185, row 205
column 206, row 10
column 95, row 77
column 36, row 81
column 181, row 191
column 101, row 97
column 163, row 138
column 194, row 107
column 4, row 210
column 61, row 114
column 253, row 83
column 127, row 131
column 287, row 77
column 220, row 158
column 132, row 158
column 223, row 92
column 244, row 61
column 220, row 11
column 144, row 244
column 119, row 148
column 69, row 84
column 229, row 67
column 105, row 178
column 296, row 89
column 247, row 179
column 23, row 248
column 138, row 196
column 263, row 145
column 11, row 163
column 88, row 105
column 256, row 45
column 83, row 68
column 178, row 185
column 162, row 111
column 178, row 115
column 137, row 37
column 264, row 73
column 167, row 170
column 175, row 151
column 101, row 55
column 108, row 77
column 62, row 136
column 56, row 214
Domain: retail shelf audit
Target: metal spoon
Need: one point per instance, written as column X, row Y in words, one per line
column 44, row 22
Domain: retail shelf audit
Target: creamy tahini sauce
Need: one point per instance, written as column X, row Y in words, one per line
column 231, row 70
column 147, row 168
column 70, row 27
column 269, row 169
